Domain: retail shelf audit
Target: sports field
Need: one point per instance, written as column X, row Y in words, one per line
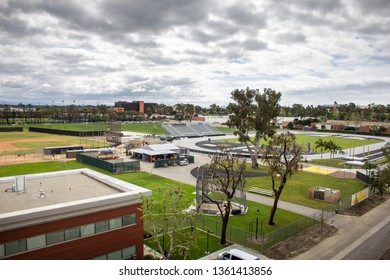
column 308, row 141
column 25, row 147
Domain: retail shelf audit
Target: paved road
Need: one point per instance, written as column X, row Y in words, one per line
column 366, row 237
column 371, row 246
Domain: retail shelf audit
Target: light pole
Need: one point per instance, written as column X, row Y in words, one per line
column 207, row 242
column 257, row 223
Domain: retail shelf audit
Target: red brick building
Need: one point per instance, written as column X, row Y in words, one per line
column 80, row 214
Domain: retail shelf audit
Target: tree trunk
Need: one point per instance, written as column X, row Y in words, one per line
column 225, row 222
column 274, row 208
column 254, row 155
column 276, row 200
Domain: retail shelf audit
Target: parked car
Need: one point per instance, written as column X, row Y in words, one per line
column 183, row 162
column 236, row 254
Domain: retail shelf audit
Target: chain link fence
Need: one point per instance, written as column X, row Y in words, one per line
column 256, row 239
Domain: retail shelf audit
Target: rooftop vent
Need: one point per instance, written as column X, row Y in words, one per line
column 20, row 184
column 41, row 194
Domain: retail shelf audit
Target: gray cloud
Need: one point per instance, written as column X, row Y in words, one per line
column 170, row 50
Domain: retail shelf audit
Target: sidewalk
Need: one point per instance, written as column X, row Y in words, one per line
column 182, row 174
column 353, row 232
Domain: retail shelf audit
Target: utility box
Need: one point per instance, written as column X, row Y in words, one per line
column 324, row 194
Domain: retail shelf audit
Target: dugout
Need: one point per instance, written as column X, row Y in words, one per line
column 48, row 151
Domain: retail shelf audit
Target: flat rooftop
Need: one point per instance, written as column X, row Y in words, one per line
column 54, row 188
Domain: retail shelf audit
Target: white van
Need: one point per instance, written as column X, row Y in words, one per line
column 236, row 254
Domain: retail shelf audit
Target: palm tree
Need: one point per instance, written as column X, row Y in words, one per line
column 321, row 144
column 332, row 147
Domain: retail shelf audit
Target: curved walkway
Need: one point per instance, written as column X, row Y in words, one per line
column 183, row 174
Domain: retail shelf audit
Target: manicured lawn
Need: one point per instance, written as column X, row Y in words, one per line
column 339, row 163
column 296, row 189
column 35, row 140
column 343, row 142
column 75, row 126
column 309, row 141
column 226, row 130
column 19, row 135
column 147, row 128
column 255, row 211
column 39, row 167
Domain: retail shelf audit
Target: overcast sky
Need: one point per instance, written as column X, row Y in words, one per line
column 187, row 51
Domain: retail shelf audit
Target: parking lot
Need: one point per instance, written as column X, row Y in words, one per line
column 179, row 173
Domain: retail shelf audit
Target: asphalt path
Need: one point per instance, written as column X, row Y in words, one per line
column 366, row 237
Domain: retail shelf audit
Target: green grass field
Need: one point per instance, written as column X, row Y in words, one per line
column 30, row 141
column 296, row 189
column 309, row 141
column 147, row 128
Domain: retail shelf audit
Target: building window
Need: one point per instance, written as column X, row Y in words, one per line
column 102, row 257
column 36, row 242
column 87, row 229
column 72, row 233
column 101, row 226
column 125, row 253
column 55, row 237
column 2, row 252
column 40, row 241
column 128, row 252
column 115, row 223
column 129, row 220
column 117, row 255
column 15, row 247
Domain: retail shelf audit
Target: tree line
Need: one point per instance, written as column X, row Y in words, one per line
column 28, row 113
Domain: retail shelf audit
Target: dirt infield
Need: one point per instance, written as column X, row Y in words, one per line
column 30, row 158
column 343, row 174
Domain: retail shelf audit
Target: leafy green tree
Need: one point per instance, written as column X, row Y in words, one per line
column 254, row 112
column 320, row 144
column 384, row 174
column 332, row 147
column 282, row 156
column 166, row 218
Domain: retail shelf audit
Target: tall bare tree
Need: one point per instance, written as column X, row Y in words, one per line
column 222, row 189
column 253, row 112
column 282, row 156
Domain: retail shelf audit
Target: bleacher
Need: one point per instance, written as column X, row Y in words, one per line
column 191, row 130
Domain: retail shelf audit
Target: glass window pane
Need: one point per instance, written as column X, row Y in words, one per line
column 36, row 242
column 102, row 257
column 55, row 237
column 115, row 223
column 87, row 229
column 15, row 247
column 128, row 252
column 101, row 226
column 2, row 252
column 72, row 233
column 128, row 220
column 117, row 255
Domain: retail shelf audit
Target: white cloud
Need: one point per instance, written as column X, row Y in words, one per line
column 173, row 51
